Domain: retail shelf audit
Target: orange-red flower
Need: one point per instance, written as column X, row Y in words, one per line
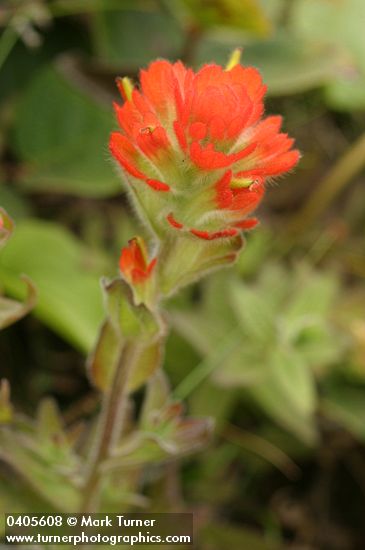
column 195, row 149
column 133, row 262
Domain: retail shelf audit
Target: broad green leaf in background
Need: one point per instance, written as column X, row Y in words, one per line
column 61, row 136
column 283, row 339
column 288, row 65
column 254, row 312
column 288, row 393
column 69, row 295
column 340, row 25
column 126, row 40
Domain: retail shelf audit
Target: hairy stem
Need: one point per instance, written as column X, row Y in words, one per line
column 110, row 426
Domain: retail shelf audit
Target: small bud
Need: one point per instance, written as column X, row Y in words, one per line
column 136, row 269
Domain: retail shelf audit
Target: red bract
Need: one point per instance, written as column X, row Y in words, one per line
column 197, row 141
column 134, row 263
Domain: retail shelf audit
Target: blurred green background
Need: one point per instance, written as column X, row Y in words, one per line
column 273, row 349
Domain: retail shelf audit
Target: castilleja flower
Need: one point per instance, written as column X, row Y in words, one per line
column 195, row 150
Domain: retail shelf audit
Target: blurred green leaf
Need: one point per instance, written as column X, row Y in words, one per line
column 253, row 311
column 281, row 336
column 11, row 310
column 61, row 135
column 126, row 40
column 48, row 474
column 164, row 435
column 288, row 393
column 125, row 322
column 339, row 25
column 288, row 65
column 69, row 296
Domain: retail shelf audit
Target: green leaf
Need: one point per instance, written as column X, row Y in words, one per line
column 156, row 396
column 11, row 310
column 125, row 321
column 338, row 25
column 288, row 393
column 312, row 295
column 47, row 477
column 61, row 135
column 103, row 360
column 166, row 435
column 254, row 313
column 69, row 297
column 130, row 38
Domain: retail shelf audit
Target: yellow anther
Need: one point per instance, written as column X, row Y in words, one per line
column 125, row 86
column 234, row 59
column 240, row 183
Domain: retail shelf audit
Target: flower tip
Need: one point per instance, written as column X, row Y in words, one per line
column 234, row 59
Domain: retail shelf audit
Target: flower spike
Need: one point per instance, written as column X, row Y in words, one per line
column 196, row 152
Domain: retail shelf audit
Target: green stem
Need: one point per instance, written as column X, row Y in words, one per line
column 110, row 426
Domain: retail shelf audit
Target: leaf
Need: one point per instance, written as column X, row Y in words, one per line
column 103, row 359
column 61, row 136
column 148, row 362
column 312, row 296
column 156, row 396
column 130, row 39
column 50, row 422
column 287, row 65
column 11, row 310
column 339, row 25
column 288, row 393
column 254, row 313
column 166, row 435
column 46, row 478
column 125, row 321
column 69, row 297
